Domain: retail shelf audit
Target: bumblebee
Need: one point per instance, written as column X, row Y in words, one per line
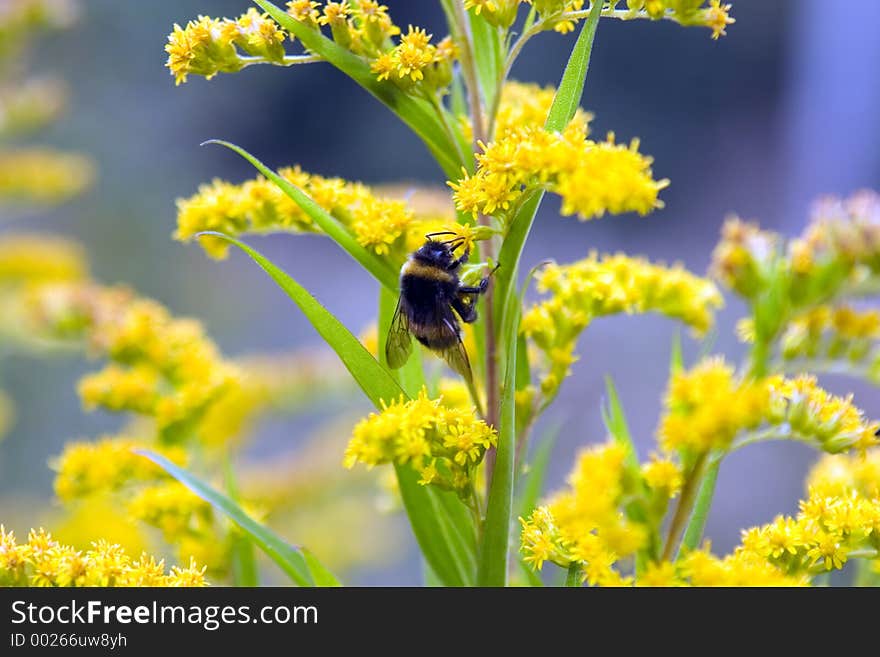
column 431, row 295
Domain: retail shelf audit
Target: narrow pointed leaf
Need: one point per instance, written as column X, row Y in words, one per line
column 697, row 521
column 244, row 563
column 488, row 55
column 533, row 480
column 615, row 422
column 373, row 379
column 418, row 114
column 379, row 268
column 289, row 558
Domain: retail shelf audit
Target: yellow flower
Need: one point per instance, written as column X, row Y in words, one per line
column 107, row 464
column 304, row 11
column 661, row 573
column 259, row 206
column 444, row 444
column 208, row 46
column 43, row 561
column 605, row 285
column 36, row 258
column 664, row 475
column 524, row 105
column 707, row 407
column 42, row 175
column 591, row 177
column 585, row 524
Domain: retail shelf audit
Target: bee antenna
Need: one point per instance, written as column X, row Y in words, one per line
column 442, row 232
column 455, row 243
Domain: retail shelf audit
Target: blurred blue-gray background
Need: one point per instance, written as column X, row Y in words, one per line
column 784, row 109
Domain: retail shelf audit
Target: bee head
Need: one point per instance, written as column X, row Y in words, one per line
column 438, row 253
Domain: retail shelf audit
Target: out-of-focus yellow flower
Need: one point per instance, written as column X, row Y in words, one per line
column 591, row 177
column 598, row 286
column 836, row 475
column 443, row 444
column 39, row 258
column 43, row 561
column 259, row 206
column 98, row 515
column 702, row 568
column 29, row 105
column 41, row 175
column 109, row 463
column 707, row 407
column 161, row 366
column 663, row 474
column 7, row 414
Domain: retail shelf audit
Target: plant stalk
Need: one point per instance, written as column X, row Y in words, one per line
column 685, row 506
column 469, row 72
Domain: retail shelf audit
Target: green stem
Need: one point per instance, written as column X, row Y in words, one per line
column 574, row 578
column 693, row 534
column 444, row 119
column 685, row 505
column 289, row 60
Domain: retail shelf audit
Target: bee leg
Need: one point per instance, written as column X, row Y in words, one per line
column 479, row 289
column 467, row 311
column 462, row 260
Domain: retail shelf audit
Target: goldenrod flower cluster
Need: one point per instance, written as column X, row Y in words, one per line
column 586, row 525
column 107, row 464
column 208, row 46
column 712, row 14
column 161, row 367
column 838, row 521
column 386, row 225
column 591, row 177
column 41, row 175
column 19, row 19
column 29, row 105
column 500, row 13
column 708, row 406
column 444, row 444
column 834, row 333
column 415, row 60
column 43, row 561
column 33, row 258
column 525, row 105
column 589, row 526
column 838, row 252
column 702, row 568
column 605, row 285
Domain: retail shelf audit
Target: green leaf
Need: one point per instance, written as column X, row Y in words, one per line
column 418, row 114
column 615, row 422
column 373, row 379
column 495, row 544
column 244, row 562
column 433, row 529
column 488, row 55
column 289, row 558
column 533, row 479
column 565, row 104
column 320, row 573
column 378, row 267
column 676, row 360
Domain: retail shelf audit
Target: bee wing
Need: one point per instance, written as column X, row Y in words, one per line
column 456, row 355
column 398, row 345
